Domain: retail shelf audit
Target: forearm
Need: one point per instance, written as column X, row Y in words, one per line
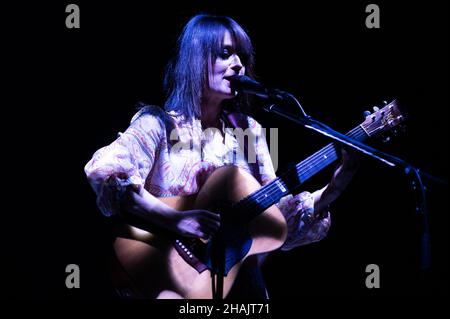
column 328, row 194
column 139, row 206
column 143, row 210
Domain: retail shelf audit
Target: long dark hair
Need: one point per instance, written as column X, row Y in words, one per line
column 186, row 76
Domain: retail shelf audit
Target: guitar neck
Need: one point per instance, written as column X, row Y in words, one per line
column 287, row 183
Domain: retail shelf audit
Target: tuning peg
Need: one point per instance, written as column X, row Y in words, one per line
column 366, row 114
column 386, row 139
column 376, row 108
column 385, row 102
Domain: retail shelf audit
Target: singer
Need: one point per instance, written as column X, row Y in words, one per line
column 164, row 180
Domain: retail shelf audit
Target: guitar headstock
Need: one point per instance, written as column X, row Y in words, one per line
column 384, row 120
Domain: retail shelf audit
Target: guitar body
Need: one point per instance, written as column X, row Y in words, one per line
column 155, row 269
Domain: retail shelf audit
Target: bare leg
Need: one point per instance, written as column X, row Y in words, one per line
column 168, row 294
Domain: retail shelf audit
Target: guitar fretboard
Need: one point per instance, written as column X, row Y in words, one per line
column 286, row 183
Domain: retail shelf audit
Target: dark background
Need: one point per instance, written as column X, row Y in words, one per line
column 73, row 90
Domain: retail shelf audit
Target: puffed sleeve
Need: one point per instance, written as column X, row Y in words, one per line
column 126, row 161
column 304, row 226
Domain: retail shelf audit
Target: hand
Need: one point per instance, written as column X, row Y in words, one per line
column 191, row 223
column 350, row 159
column 195, row 223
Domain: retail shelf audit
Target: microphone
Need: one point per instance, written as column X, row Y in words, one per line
column 244, row 84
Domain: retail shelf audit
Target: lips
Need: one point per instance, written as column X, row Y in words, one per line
column 227, row 77
column 228, row 82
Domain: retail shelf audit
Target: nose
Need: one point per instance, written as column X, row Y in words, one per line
column 236, row 63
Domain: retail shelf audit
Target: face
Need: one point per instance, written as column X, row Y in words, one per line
column 227, row 64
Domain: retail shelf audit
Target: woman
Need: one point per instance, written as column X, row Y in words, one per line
column 173, row 152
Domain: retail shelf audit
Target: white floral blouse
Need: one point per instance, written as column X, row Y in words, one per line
column 178, row 161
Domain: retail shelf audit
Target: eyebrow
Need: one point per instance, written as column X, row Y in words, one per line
column 229, row 47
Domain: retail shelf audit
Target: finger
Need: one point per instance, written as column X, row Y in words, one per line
column 191, row 234
column 349, row 151
column 212, row 223
column 345, row 152
column 210, row 215
column 209, row 229
column 135, row 188
column 195, row 231
column 200, row 228
column 203, row 235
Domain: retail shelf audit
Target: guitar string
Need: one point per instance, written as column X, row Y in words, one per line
column 312, row 163
column 272, row 190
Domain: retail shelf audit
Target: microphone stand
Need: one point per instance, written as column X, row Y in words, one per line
column 412, row 172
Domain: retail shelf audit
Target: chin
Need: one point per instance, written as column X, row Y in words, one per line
column 229, row 96
column 227, row 93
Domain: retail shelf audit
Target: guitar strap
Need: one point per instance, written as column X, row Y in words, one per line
column 240, row 120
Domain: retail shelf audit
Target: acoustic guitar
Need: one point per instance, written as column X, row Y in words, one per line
column 162, row 266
